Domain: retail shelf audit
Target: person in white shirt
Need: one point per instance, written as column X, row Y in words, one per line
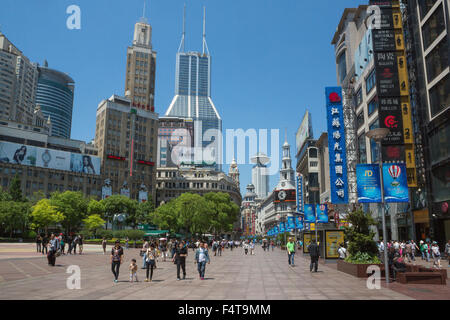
column 342, row 252
column 252, row 248
column 246, row 247
column 436, row 255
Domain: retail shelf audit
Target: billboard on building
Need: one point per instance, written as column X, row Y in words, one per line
column 291, row 223
column 299, row 223
column 304, row 131
column 48, row 158
column 336, row 146
column 299, row 191
column 368, row 183
column 363, row 55
column 395, row 182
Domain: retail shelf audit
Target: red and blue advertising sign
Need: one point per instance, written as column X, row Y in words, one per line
column 322, row 213
column 310, row 215
column 336, row 146
column 395, row 182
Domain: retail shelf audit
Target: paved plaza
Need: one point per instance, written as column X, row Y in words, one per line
column 24, row 274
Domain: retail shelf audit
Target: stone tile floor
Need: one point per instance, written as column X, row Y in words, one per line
column 24, row 274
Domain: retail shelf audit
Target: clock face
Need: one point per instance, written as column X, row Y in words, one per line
column 282, row 195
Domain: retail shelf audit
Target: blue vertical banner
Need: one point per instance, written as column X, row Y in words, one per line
column 275, row 230
column 322, row 213
column 336, row 146
column 299, row 223
column 368, row 183
column 395, row 182
column 299, row 191
column 291, row 223
column 310, row 215
column 282, row 227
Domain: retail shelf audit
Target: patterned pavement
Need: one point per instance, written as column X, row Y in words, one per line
column 24, row 274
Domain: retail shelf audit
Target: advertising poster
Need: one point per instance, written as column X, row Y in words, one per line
column 306, row 241
column 332, row 241
column 281, row 227
column 310, row 215
column 368, row 183
column 275, row 230
column 17, row 154
column 299, row 223
column 322, row 213
column 395, row 182
column 299, row 192
column 336, row 145
column 48, row 158
column 291, row 223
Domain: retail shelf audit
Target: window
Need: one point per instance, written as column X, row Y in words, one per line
column 374, row 151
column 358, row 97
column 437, row 60
column 372, row 106
column 439, row 96
column 362, row 148
column 360, row 119
column 313, row 153
column 440, row 144
column 342, row 66
column 375, row 124
column 425, row 6
column 433, row 27
column 370, row 81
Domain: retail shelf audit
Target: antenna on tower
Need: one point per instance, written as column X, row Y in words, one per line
column 184, row 30
column 285, row 134
column 204, row 32
column 144, row 19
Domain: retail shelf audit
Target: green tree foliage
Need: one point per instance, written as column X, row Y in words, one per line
column 165, row 217
column 96, row 207
column 45, row 214
column 14, row 216
column 223, row 212
column 118, row 204
column 359, row 235
column 93, row 222
column 15, row 190
column 144, row 212
column 73, row 206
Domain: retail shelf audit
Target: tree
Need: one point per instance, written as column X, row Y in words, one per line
column 36, row 196
column 96, row 207
column 224, row 212
column 73, row 206
column 360, row 236
column 134, row 235
column 144, row 212
column 14, row 216
column 15, row 189
column 118, row 204
column 93, row 222
column 166, row 216
column 45, row 214
column 192, row 212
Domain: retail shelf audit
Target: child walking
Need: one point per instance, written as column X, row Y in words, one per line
column 133, row 270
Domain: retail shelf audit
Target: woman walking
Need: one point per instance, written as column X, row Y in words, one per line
column 150, row 262
column 116, row 259
column 104, row 245
column 38, row 243
column 52, row 250
column 201, row 258
column 80, row 244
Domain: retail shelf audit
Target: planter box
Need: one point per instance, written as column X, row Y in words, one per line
column 356, row 270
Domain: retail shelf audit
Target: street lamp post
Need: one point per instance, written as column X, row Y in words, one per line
column 378, row 135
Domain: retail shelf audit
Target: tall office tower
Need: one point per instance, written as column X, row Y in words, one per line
column 126, row 138
column 55, row 92
column 141, row 67
column 260, row 177
column 18, row 81
column 193, row 100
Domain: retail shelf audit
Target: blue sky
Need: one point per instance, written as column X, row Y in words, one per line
column 271, row 59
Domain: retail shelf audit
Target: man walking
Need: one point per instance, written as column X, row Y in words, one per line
column 290, row 247
column 201, row 258
column 179, row 258
column 314, row 253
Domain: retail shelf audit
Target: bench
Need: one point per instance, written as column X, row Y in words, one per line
column 428, row 277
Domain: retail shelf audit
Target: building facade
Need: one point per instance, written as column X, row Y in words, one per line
column 126, row 138
column 174, row 181
column 47, row 164
column 141, row 68
column 428, row 34
column 18, row 83
column 54, row 94
column 260, row 177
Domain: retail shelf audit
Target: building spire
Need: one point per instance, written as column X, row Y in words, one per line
column 181, row 47
column 204, row 32
column 143, row 18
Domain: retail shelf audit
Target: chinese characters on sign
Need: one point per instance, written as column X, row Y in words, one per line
column 336, row 146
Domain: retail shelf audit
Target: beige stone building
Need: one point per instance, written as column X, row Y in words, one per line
column 126, row 138
column 141, row 67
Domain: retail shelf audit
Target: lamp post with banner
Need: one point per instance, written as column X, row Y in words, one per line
column 378, row 135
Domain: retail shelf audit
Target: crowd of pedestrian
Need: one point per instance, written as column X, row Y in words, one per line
column 55, row 245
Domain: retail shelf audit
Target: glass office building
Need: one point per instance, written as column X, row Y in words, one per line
column 193, row 101
column 55, row 91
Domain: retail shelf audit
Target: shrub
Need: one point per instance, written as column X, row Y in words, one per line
column 363, row 258
column 31, row 235
column 87, row 234
column 108, row 234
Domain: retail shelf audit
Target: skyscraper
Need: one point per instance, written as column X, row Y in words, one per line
column 192, row 100
column 141, row 66
column 54, row 94
column 260, row 177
